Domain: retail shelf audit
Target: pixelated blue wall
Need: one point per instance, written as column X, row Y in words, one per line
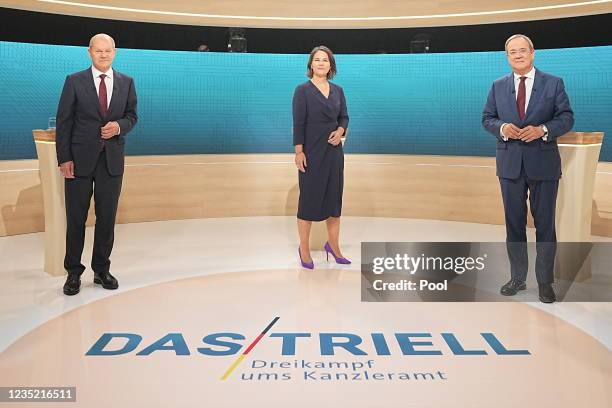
column 191, row 102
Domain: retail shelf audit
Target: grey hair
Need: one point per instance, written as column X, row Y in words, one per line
column 512, row 37
column 101, row 36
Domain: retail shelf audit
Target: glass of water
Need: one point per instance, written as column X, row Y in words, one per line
column 52, row 122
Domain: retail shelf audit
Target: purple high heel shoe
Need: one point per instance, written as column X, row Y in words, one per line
column 339, row 260
column 307, row 265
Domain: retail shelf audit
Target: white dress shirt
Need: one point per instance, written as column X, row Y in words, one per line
column 530, row 77
column 108, row 81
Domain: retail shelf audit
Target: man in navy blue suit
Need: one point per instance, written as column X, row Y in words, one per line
column 527, row 111
column 96, row 111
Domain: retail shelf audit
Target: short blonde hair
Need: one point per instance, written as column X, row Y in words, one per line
column 512, row 37
column 100, row 37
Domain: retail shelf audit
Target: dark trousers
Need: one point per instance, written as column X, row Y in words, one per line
column 106, row 190
column 542, row 201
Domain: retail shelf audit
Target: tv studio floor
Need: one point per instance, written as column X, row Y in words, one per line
column 183, row 281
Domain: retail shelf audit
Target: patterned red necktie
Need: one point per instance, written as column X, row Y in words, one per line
column 520, row 98
column 102, row 96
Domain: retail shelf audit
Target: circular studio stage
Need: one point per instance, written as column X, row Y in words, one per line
column 218, row 312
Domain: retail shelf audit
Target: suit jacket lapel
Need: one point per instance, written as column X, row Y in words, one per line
column 114, row 97
column 90, row 90
column 536, row 93
column 511, row 94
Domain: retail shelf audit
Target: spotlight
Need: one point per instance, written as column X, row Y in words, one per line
column 237, row 41
column 419, row 44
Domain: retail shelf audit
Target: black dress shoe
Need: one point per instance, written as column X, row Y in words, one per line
column 547, row 294
column 512, row 287
column 72, row 285
column 107, row 280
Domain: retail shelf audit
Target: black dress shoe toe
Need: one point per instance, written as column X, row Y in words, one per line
column 512, row 287
column 107, row 280
column 72, row 285
column 547, row 294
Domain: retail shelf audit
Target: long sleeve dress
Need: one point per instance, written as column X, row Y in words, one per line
column 314, row 118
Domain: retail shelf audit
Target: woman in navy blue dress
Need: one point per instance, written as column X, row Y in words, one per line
column 320, row 119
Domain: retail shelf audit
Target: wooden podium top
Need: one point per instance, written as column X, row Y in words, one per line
column 41, row 135
column 581, row 138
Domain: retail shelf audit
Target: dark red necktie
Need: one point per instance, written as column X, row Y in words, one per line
column 102, row 96
column 520, row 98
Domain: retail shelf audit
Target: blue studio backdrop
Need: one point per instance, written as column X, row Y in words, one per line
column 190, row 102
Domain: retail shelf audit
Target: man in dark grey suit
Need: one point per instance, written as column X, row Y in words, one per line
column 526, row 111
column 96, row 111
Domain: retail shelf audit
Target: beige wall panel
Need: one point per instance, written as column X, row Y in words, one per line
column 21, row 205
column 199, row 186
column 336, row 14
column 602, row 201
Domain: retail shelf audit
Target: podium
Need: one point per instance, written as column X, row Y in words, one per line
column 53, row 201
column 579, row 156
